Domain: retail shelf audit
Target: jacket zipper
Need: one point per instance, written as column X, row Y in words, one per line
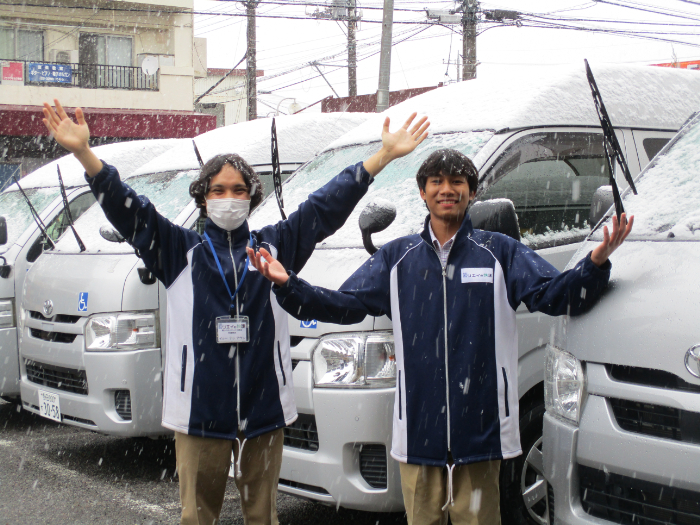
column 238, row 359
column 279, row 356
column 447, row 368
column 183, row 372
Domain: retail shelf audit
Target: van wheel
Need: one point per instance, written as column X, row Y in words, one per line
column 522, row 479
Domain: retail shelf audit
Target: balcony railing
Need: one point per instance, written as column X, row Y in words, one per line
column 95, row 76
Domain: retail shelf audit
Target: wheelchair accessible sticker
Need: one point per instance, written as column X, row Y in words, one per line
column 82, row 301
column 309, row 324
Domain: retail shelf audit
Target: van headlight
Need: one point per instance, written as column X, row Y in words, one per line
column 564, row 384
column 364, row 360
column 121, row 331
column 7, row 313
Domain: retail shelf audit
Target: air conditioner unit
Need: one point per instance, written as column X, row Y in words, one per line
column 65, row 56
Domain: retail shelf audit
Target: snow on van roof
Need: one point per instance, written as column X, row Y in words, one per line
column 299, row 138
column 635, row 96
column 126, row 156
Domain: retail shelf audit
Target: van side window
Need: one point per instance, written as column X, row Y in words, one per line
column 551, row 179
column 653, row 145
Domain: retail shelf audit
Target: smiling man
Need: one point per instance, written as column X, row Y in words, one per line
column 227, row 382
column 451, row 293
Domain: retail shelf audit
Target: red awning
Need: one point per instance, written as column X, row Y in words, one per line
column 117, row 123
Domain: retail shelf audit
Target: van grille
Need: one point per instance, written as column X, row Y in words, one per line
column 650, row 377
column 373, row 465
column 54, row 337
column 657, row 421
column 550, row 500
column 122, row 404
column 303, row 486
column 302, row 434
column 59, row 318
column 60, row 378
column 620, row 499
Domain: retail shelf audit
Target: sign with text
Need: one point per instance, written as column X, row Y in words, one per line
column 13, row 73
column 60, row 73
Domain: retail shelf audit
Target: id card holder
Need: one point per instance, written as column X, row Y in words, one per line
column 232, row 329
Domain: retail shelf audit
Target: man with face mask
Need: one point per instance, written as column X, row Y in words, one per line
column 228, row 372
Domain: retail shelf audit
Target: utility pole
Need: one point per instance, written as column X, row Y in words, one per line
column 352, row 49
column 385, row 57
column 251, row 71
column 471, row 8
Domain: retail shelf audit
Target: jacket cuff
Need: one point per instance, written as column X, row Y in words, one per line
column 101, row 175
column 284, row 290
column 362, row 175
column 595, row 269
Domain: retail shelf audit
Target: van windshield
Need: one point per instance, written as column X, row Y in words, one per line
column 667, row 205
column 396, row 183
column 16, row 211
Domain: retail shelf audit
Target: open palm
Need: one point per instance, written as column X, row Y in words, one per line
column 404, row 140
column 74, row 137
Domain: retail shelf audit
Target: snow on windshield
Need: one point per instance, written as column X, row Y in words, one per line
column 169, row 193
column 396, row 183
column 16, row 212
column 668, row 200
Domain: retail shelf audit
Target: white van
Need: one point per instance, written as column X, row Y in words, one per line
column 96, row 357
column 24, row 242
column 537, row 141
column 622, row 427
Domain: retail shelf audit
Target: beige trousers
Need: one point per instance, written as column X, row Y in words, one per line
column 203, row 466
column 474, row 489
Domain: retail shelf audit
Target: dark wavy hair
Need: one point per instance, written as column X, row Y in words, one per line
column 200, row 187
column 450, row 162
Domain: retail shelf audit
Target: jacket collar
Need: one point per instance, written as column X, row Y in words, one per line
column 465, row 230
column 219, row 236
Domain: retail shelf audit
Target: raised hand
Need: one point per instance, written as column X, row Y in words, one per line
column 267, row 265
column 395, row 145
column 610, row 243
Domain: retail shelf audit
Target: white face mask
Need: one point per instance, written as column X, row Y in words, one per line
column 228, row 214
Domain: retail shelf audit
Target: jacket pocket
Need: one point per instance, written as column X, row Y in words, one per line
column 398, row 385
column 279, row 355
column 183, row 373
column 505, row 391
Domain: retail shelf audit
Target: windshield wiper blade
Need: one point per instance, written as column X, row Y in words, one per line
column 276, row 172
column 196, row 152
column 66, row 208
column 613, row 151
column 35, row 215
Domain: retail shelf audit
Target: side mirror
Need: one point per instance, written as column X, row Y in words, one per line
column 3, row 231
column 602, row 201
column 4, row 268
column 376, row 216
column 496, row 215
column 110, row 234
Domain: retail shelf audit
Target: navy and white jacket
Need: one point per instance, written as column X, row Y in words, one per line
column 201, row 395
column 454, row 333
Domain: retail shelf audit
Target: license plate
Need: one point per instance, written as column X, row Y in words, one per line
column 49, row 405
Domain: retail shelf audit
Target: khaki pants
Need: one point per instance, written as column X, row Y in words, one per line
column 203, row 466
column 474, row 488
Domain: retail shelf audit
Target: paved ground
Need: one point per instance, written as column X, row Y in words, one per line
column 55, row 474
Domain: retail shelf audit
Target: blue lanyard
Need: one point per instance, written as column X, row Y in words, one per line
column 221, row 271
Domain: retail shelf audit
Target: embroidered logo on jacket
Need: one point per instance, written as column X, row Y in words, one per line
column 477, row 275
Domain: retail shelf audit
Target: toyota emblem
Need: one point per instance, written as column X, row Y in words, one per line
column 48, row 308
column 692, row 360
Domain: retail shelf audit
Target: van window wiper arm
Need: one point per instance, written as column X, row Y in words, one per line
column 613, row 151
column 66, row 208
column 276, row 172
column 35, row 215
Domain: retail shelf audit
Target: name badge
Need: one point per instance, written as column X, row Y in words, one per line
column 477, row 275
column 232, row 329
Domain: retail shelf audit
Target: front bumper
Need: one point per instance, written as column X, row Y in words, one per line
column 350, row 423
column 9, row 363
column 601, row 474
column 103, row 406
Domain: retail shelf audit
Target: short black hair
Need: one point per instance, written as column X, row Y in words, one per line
column 449, row 162
column 200, row 187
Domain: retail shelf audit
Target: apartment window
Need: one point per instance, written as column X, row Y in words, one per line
column 105, row 61
column 21, row 44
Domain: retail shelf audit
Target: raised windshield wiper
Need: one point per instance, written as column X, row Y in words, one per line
column 37, row 219
column 276, row 173
column 196, row 152
column 66, row 208
column 613, row 151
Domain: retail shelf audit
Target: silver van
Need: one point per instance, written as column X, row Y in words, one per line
column 22, row 242
column 622, row 382
column 537, row 141
column 94, row 360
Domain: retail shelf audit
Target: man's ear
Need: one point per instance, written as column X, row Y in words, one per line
column 422, row 193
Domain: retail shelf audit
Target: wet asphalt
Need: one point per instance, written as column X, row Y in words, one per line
column 56, row 474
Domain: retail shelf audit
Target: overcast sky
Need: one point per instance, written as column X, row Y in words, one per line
column 421, row 52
